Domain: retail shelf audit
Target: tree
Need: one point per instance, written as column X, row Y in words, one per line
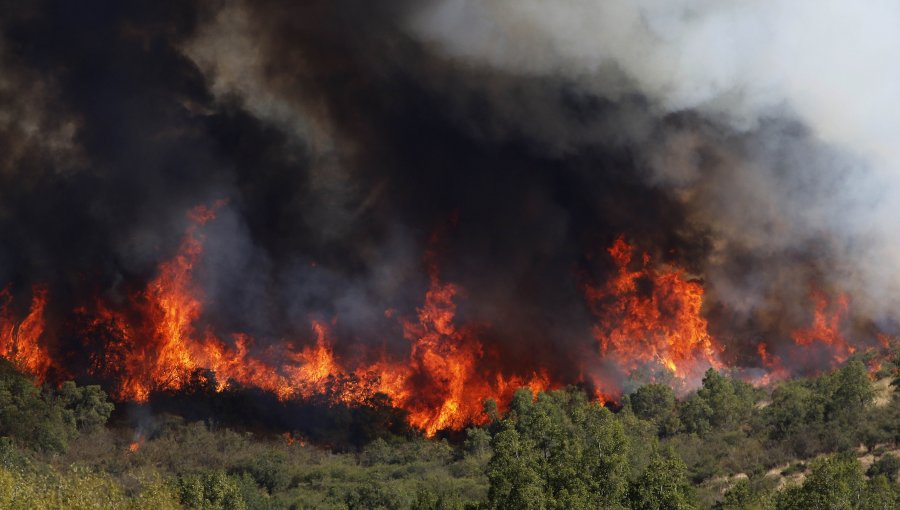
column 558, row 451
column 741, row 496
column 653, row 402
column 721, row 402
column 212, row 490
column 86, row 407
column 696, row 415
column 513, row 474
column 794, row 406
column 880, row 494
column 850, row 392
column 478, row 441
column 888, row 465
column 835, row 482
column 27, row 416
column 662, row 486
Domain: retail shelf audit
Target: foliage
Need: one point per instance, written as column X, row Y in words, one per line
column 720, row 403
column 47, row 420
column 888, row 465
column 663, row 485
column 557, row 451
column 653, row 402
column 726, row 446
column 86, row 407
column 837, row 482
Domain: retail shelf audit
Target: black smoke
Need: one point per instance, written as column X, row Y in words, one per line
column 342, row 143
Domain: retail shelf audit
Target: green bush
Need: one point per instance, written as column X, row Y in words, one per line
column 888, row 465
column 212, row 490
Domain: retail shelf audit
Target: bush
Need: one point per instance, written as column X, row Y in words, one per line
column 653, row 402
column 268, row 471
column 888, row 465
column 28, row 417
column 212, row 490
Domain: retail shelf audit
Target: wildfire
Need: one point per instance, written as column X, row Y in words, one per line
column 826, row 326
column 441, row 384
column 648, row 315
column 291, row 439
column 447, row 358
column 136, row 443
column 776, row 370
column 20, row 340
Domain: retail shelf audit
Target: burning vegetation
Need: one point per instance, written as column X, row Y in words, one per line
column 649, row 326
column 255, row 246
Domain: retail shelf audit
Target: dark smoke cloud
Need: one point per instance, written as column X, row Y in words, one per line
column 343, row 134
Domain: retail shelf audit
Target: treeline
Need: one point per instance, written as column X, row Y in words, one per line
column 824, row 442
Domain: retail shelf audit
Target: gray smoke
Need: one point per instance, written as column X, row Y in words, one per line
column 776, row 121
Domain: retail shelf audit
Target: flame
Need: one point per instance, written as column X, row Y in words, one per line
column 136, row 443
column 650, row 315
column 775, row 369
column 446, row 357
column 291, row 439
column 20, row 340
column 646, row 316
column 826, row 326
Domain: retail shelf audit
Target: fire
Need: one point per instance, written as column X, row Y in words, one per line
column 776, row 371
column 446, row 360
column 650, row 315
column 136, row 443
column 442, row 383
column 291, row 439
column 20, row 340
column 646, row 315
column 826, row 326
column 446, row 356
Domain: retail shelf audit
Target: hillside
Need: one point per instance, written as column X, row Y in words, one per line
column 833, row 438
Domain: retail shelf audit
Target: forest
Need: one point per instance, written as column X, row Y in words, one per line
column 829, row 441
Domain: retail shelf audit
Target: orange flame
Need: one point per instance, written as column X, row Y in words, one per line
column 826, row 327
column 20, row 341
column 776, row 371
column 648, row 315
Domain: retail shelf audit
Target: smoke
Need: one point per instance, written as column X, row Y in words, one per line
column 775, row 122
column 743, row 141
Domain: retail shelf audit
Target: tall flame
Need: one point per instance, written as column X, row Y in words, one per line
column 441, row 383
column 826, row 326
column 649, row 315
column 645, row 315
column 20, row 340
column 446, row 359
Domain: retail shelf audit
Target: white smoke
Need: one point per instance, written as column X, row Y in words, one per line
column 752, row 66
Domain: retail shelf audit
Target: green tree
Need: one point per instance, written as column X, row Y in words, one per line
column 741, row 496
column 478, row 442
column 27, row 416
column 880, row 494
column 558, row 451
column 86, row 407
column 835, row 482
column 794, row 406
column 513, row 473
column 721, row 402
column 662, row 486
column 653, row 402
column 888, row 465
column 212, row 490
column 850, row 392
column 696, row 415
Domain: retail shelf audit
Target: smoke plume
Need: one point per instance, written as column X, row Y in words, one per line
column 362, row 154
